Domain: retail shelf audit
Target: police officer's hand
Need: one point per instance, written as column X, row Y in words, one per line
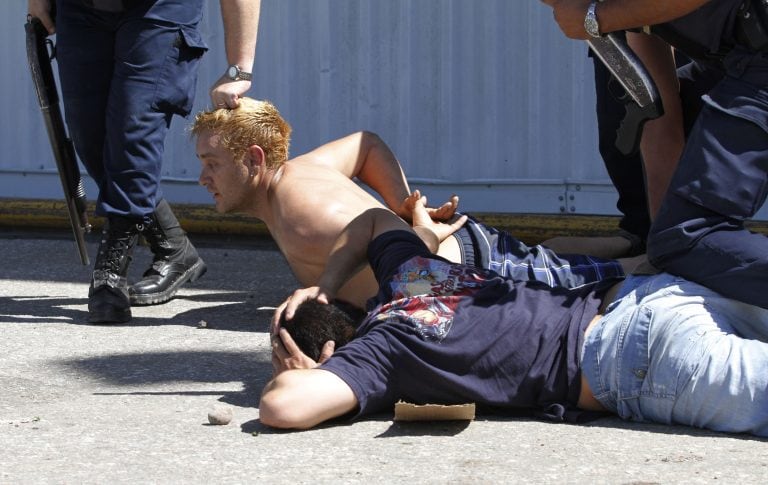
column 41, row 9
column 226, row 93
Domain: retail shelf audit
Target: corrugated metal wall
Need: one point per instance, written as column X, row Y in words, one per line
column 483, row 98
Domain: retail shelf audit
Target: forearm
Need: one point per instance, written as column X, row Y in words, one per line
column 379, row 169
column 428, row 236
column 349, row 253
column 301, row 399
column 629, row 14
column 241, row 25
column 663, row 138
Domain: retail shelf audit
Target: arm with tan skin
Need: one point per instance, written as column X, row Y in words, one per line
column 349, row 252
column 348, row 255
column 365, row 156
column 614, row 15
column 663, row 138
column 661, row 146
column 41, row 9
column 302, row 398
column 241, row 26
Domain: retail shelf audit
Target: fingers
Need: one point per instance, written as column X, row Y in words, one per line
column 456, row 225
column 274, row 325
column 289, row 345
column 326, row 351
column 297, row 298
column 226, row 93
column 287, row 355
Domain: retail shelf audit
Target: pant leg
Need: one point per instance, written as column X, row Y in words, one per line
column 154, row 78
column 625, row 171
column 489, row 248
column 721, row 180
column 151, row 76
column 675, row 352
column 696, row 80
column 84, row 52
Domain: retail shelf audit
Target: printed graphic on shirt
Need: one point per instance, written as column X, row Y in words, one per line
column 426, row 292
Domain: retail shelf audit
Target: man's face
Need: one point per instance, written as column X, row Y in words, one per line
column 228, row 180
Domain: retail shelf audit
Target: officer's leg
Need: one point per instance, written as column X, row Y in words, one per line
column 84, row 53
column 625, row 171
column 721, row 180
column 142, row 103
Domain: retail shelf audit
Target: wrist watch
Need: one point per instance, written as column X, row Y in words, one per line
column 591, row 25
column 236, row 74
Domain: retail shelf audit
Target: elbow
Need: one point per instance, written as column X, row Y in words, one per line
column 278, row 409
column 271, row 413
column 370, row 140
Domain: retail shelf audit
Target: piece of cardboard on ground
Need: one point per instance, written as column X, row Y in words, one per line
column 405, row 411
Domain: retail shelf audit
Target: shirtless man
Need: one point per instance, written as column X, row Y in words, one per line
column 307, row 201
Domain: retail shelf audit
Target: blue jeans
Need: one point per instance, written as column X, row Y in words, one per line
column 673, row 351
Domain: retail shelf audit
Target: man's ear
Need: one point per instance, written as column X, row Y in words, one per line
column 256, row 157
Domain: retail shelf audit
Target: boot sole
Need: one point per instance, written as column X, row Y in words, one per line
column 195, row 272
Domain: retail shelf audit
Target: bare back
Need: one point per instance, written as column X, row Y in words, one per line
column 310, row 206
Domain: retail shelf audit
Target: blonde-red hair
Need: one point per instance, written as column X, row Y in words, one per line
column 253, row 122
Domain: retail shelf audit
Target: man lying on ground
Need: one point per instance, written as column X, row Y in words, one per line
column 306, row 202
column 658, row 349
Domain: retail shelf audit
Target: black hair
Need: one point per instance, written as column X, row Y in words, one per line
column 315, row 323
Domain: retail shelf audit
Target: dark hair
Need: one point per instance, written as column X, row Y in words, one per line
column 315, row 323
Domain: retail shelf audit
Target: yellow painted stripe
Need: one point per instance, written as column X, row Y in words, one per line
column 203, row 219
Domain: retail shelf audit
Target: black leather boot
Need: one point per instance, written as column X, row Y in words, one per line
column 175, row 259
column 108, row 300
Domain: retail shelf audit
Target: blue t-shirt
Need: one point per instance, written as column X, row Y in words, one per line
column 446, row 333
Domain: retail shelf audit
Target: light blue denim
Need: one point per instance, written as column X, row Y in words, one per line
column 672, row 351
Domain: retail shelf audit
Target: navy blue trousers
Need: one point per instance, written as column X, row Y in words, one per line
column 123, row 77
column 625, row 171
column 721, row 180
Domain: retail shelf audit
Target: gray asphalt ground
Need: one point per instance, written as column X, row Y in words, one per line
column 128, row 403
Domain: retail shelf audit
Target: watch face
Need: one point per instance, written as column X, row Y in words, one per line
column 232, row 72
column 591, row 26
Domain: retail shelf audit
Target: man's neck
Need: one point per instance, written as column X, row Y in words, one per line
column 260, row 205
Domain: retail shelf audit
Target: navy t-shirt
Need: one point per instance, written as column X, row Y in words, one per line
column 447, row 334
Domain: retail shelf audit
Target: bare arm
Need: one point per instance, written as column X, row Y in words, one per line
column 41, row 9
column 241, row 26
column 301, row 399
column 347, row 257
column 663, row 138
column 365, row 156
column 616, row 15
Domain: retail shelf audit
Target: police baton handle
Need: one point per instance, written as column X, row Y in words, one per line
column 39, row 59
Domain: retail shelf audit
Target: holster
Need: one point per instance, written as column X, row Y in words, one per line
column 752, row 25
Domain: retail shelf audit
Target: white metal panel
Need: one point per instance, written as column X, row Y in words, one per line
column 482, row 98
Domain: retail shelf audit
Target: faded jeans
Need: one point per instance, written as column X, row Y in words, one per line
column 673, row 351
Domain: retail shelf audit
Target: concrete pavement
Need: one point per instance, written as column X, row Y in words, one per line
column 127, row 403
